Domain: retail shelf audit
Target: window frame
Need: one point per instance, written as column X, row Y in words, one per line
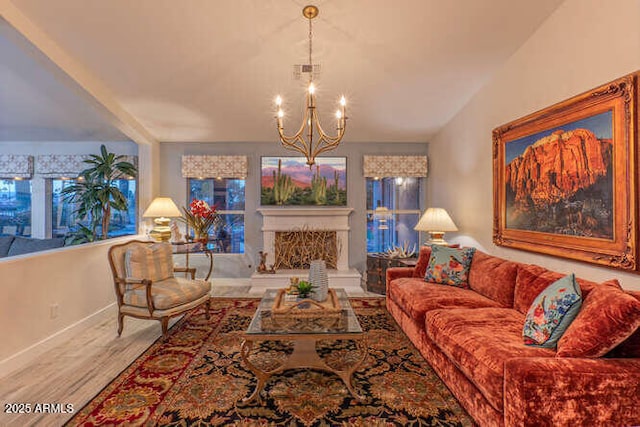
column 221, row 212
column 393, row 213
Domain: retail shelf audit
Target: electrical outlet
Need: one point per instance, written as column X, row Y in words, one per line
column 53, row 310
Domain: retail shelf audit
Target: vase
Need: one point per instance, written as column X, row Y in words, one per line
column 202, row 238
column 318, row 278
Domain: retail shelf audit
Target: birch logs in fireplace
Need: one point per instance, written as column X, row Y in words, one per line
column 295, row 249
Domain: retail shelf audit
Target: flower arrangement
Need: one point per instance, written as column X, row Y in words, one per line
column 201, row 217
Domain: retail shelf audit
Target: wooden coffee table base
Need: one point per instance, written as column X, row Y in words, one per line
column 304, row 356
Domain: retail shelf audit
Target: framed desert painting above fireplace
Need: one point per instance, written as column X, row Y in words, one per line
column 565, row 178
column 289, row 181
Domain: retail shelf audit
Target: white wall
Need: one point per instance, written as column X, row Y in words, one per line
column 583, row 44
column 77, row 279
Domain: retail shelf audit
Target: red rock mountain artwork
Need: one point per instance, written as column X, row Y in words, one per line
column 558, row 184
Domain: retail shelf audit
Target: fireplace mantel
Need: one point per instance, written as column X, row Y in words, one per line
column 315, row 218
column 289, row 218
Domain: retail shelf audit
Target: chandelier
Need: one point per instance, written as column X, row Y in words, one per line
column 310, row 127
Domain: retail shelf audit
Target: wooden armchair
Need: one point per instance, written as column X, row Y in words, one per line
column 146, row 287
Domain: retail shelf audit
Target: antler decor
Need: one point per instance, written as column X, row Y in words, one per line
column 402, row 251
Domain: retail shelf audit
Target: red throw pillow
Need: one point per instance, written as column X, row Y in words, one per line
column 608, row 317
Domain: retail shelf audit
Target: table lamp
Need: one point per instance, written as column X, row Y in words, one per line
column 383, row 215
column 161, row 209
column 436, row 221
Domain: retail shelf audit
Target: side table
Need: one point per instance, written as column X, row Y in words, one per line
column 377, row 264
column 194, row 248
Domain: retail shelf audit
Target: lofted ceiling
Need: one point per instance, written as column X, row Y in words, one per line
column 208, row 70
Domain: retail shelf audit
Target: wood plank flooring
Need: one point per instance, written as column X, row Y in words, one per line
column 74, row 372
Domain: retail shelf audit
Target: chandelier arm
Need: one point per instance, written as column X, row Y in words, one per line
column 297, row 148
column 330, row 139
column 290, row 140
column 325, row 145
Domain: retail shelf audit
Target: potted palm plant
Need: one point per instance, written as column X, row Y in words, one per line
column 96, row 193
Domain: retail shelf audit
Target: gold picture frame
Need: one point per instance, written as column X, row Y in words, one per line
column 565, row 179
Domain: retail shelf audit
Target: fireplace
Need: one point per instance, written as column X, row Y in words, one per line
column 328, row 224
column 296, row 249
column 287, row 219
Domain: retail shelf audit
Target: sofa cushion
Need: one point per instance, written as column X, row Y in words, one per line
column 608, row 317
column 415, row 297
column 423, row 261
column 449, row 266
column 25, row 245
column 5, row 244
column 631, row 346
column 168, row 293
column 552, row 312
column 151, row 262
column 533, row 279
column 479, row 341
column 493, row 277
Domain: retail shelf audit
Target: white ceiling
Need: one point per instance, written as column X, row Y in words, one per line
column 208, row 70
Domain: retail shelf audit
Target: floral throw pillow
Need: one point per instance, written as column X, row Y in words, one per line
column 552, row 312
column 449, row 266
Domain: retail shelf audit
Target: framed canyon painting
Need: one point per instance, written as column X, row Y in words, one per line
column 288, row 181
column 565, row 181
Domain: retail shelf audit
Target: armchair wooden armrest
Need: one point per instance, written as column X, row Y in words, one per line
column 190, row 270
column 145, row 282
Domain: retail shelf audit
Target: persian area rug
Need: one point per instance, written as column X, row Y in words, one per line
column 196, row 377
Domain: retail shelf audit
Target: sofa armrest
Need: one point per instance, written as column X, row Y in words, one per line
column 571, row 391
column 398, row 272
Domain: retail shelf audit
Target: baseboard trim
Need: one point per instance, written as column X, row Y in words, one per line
column 26, row 356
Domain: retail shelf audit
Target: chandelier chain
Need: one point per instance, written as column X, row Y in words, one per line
column 310, row 49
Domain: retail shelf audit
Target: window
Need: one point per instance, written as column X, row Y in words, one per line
column 401, row 197
column 228, row 196
column 64, row 220
column 15, row 207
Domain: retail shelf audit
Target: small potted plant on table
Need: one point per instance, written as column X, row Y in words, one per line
column 304, row 289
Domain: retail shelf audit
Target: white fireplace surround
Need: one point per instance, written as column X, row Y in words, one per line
column 312, row 218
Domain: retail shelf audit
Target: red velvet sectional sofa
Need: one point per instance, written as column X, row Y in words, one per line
column 473, row 340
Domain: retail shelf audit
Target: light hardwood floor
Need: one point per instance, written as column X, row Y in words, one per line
column 74, row 372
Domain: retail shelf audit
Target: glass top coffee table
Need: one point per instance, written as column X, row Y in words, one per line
column 304, row 331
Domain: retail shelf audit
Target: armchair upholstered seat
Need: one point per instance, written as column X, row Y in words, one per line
column 146, row 287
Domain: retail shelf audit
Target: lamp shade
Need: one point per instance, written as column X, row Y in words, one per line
column 162, row 207
column 435, row 219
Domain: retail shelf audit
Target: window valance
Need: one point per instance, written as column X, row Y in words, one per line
column 389, row 166
column 67, row 165
column 202, row 166
column 16, row 166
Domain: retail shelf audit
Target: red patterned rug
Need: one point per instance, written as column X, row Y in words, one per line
column 196, row 377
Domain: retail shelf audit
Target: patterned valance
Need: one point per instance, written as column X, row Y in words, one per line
column 60, row 165
column 16, row 166
column 200, row 166
column 67, row 165
column 390, row 166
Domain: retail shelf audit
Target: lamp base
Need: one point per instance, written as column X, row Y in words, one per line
column 161, row 232
column 436, row 238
